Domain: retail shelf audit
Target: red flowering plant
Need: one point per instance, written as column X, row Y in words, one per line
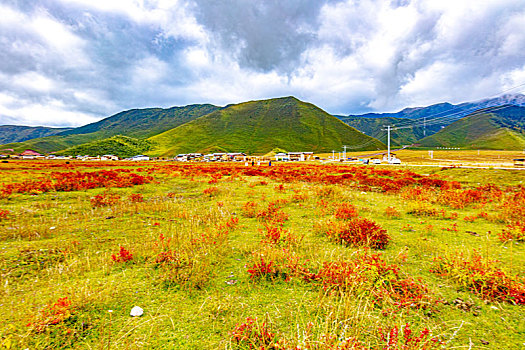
column 358, row 232
column 481, row 276
column 123, row 255
column 52, row 314
column 104, row 200
column 4, row 214
column 368, row 273
column 404, row 338
column 254, row 334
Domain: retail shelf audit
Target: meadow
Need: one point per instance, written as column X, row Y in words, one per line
column 292, row 256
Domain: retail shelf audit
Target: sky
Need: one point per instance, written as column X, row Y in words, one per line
column 70, row 63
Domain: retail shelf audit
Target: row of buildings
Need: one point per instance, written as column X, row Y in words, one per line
column 196, row 157
column 243, row 157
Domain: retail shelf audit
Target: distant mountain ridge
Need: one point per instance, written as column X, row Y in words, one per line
column 435, row 118
column 136, row 123
column 501, row 127
column 18, row 133
column 260, row 126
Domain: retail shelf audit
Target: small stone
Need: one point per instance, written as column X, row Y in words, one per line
column 494, row 307
column 136, row 311
column 484, row 342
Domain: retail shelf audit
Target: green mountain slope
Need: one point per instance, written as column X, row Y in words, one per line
column 500, row 127
column 257, row 127
column 121, row 146
column 18, row 133
column 375, row 127
column 144, row 123
column 138, row 123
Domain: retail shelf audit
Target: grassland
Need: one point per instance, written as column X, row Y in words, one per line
column 224, row 256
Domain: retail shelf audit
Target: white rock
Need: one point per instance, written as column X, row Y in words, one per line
column 136, row 311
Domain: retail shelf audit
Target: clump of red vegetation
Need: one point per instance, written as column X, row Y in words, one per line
column 482, row 277
column 392, row 212
column 77, row 181
column 253, row 334
column 256, row 334
column 513, row 232
column 346, row 211
column 104, row 200
column 4, row 214
column 211, row 191
column 368, row 273
column 136, row 198
column 273, row 213
column 52, row 314
column 358, row 232
column 123, row 255
column 249, row 209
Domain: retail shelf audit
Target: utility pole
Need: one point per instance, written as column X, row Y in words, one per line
column 333, row 155
column 424, row 126
column 344, row 152
column 388, row 130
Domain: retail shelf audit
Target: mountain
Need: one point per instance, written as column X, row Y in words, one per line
column 257, row 127
column 121, row 146
column 18, row 133
column 143, row 123
column 426, row 120
column 500, row 127
column 137, row 123
column 376, row 127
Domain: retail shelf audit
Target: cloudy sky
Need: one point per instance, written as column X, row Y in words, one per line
column 68, row 63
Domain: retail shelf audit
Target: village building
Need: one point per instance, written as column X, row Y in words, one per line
column 109, row 157
column 300, row 156
column 30, row 154
column 282, row 157
column 139, row 157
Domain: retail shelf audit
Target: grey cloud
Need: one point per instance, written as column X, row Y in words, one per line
column 262, row 35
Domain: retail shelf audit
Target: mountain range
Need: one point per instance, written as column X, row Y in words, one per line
column 257, row 127
column 419, row 122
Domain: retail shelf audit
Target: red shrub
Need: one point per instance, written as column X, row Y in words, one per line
column 345, row 211
column 359, row 232
column 136, row 198
column 249, row 209
column 392, row 212
column 370, row 274
column 513, row 232
column 123, row 255
column 405, row 339
column 482, row 277
column 52, row 314
column 104, row 200
column 4, row 214
column 253, row 334
column 211, row 191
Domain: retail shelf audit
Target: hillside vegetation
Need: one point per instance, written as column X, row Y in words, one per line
column 375, row 127
column 137, row 123
column 491, row 128
column 19, row 133
column 121, row 146
column 257, row 127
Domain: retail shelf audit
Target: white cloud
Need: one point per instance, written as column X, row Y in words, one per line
column 86, row 59
column 52, row 113
column 34, row 81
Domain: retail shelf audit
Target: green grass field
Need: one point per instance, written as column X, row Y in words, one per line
column 224, row 256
